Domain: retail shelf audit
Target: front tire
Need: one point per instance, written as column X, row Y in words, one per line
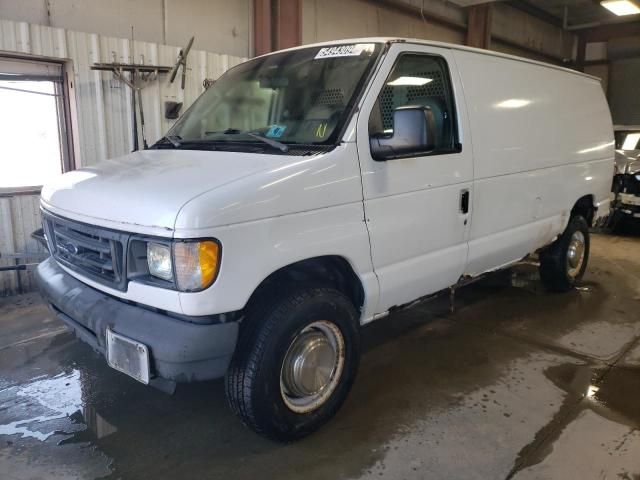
column 295, row 362
column 563, row 263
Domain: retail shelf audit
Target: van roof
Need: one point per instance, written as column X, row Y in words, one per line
column 434, row 43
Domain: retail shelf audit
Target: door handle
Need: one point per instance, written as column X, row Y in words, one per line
column 464, row 201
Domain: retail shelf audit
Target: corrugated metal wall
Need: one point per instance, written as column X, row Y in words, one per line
column 104, row 113
column 19, row 216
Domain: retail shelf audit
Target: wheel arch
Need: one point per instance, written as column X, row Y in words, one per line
column 586, row 207
column 332, row 271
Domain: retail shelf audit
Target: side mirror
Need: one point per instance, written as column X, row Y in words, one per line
column 413, row 132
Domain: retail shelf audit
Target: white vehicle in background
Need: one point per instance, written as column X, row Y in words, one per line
column 311, row 191
column 626, row 180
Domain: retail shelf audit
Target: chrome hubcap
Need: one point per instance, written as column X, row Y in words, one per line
column 575, row 254
column 312, row 366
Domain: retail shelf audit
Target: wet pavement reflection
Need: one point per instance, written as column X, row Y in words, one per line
column 40, row 403
column 516, row 383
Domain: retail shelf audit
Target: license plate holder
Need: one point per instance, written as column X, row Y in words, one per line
column 128, row 356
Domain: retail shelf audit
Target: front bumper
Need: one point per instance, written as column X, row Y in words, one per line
column 179, row 350
column 628, row 204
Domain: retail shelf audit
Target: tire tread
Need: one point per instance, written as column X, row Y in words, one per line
column 256, row 330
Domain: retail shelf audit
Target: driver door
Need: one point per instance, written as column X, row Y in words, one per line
column 417, row 206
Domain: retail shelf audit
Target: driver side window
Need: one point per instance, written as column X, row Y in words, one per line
column 422, row 81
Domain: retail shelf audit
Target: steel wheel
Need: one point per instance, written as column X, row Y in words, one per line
column 575, row 253
column 312, row 366
column 563, row 263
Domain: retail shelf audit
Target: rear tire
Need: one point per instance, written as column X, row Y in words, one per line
column 563, row 263
column 295, row 362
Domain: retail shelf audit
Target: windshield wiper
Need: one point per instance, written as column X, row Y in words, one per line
column 174, row 140
column 273, row 143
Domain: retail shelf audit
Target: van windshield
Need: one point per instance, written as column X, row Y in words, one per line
column 297, row 97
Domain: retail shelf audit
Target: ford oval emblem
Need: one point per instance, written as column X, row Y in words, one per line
column 69, row 247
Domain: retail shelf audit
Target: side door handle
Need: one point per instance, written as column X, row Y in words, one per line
column 464, row 201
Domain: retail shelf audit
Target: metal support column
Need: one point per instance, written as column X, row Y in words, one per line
column 262, row 31
column 288, row 23
column 479, row 26
column 277, row 24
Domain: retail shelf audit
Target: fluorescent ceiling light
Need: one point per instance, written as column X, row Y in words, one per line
column 621, row 7
column 631, row 141
column 513, row 103
column 410, row 81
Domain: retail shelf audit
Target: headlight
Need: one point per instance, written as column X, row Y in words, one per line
column 637, row 177
column 193, row 265
column 196, row 264
column 159, row 261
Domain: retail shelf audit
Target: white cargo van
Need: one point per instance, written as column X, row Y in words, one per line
column 311, row 191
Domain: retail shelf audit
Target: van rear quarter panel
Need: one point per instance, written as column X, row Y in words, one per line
column 542, row 138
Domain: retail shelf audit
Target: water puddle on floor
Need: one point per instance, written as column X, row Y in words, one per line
column 42, row 407
column 618, row 395
column 610, row 393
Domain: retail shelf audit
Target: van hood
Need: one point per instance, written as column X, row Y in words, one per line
column 148, row 188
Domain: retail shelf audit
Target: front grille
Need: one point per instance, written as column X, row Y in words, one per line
column 95, row 252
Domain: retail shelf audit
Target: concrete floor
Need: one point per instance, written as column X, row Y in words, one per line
column 517, row 383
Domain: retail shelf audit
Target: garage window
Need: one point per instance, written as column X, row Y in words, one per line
column 33, row 131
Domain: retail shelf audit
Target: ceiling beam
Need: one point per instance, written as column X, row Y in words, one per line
column 611, row 22
column 536, row 12
column 408, row 9
column 604, row 33
column 545, row 56
column 411, row 10
column 527, row 7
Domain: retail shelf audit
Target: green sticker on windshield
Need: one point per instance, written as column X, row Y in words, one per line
column 275, row 131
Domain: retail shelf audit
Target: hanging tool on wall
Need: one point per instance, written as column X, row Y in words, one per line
column 139, row 76
column 181, row 62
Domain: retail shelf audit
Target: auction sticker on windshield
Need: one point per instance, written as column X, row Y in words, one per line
column 345, row 50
